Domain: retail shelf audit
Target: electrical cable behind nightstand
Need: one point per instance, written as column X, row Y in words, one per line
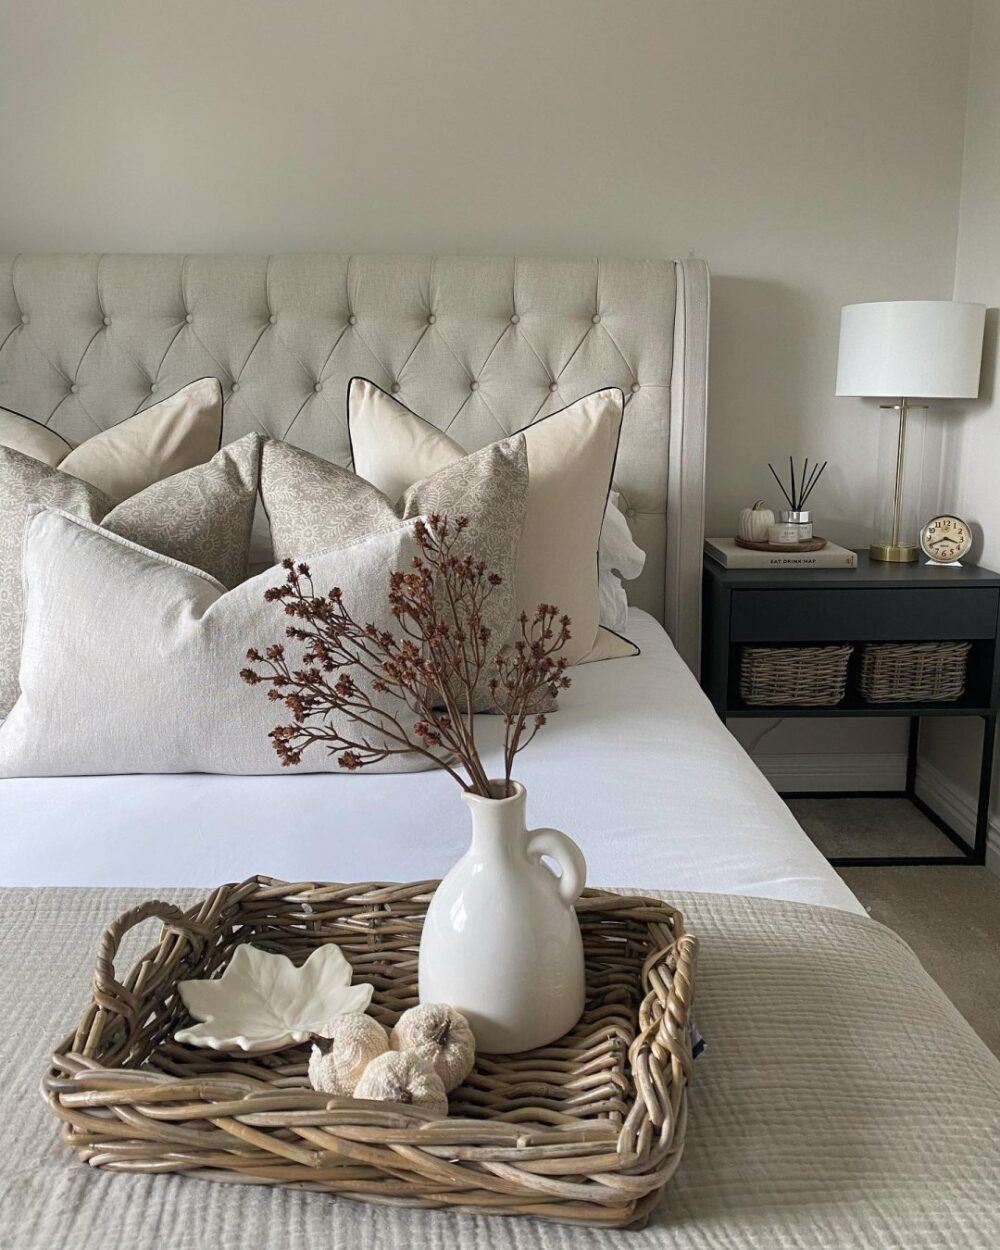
column 778, row 720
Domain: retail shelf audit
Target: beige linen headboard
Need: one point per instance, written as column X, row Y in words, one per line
column 480, row 345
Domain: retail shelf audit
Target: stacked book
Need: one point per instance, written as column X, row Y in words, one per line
column 731, row 556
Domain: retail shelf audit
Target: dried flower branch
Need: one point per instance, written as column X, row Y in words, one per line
column 525, row 669
column 412, row 692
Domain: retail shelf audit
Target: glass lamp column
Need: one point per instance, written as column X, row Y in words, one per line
column 893, row 520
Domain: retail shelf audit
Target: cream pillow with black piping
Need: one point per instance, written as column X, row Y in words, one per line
column 179, row 432
column 571, row 459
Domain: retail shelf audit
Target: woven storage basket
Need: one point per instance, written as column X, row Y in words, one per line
column 587, row 1130
column 913, row 672
column 794, row 676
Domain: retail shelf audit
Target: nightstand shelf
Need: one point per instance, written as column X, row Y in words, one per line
column 872, row 603
column 854, row 706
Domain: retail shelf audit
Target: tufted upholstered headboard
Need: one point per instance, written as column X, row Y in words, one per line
column 482, row 346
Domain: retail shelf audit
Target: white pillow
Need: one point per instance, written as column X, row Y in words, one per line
column 130, row 661
column 618, row 557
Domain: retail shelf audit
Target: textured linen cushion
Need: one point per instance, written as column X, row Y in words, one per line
column 314, row 505
column 571, row 457
column 144, row 654
column 201, row 516
column 177, row 433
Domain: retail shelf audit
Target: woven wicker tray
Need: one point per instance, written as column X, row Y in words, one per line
column 587, row 1130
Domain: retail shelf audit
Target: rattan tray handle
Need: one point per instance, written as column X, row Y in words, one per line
column 660, row 1055
column 108, row 992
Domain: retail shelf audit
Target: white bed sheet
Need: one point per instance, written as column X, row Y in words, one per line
column 635, row 766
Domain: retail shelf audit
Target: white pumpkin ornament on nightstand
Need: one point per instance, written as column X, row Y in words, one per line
column 754, row 522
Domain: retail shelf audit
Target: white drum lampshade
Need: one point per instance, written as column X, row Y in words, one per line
column 917, row 349
column 903, row 350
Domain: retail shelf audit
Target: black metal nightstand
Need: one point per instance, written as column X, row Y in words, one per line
column 872, row 603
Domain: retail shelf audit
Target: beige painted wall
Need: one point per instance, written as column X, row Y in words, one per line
column 809, row 149
column 970, row 467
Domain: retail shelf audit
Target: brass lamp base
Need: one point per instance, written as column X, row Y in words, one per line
column 894, row 553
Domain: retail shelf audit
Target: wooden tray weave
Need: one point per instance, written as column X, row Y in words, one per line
column 587, row 1130
column 808, row 544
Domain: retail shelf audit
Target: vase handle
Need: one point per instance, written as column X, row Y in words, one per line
column 568, row 856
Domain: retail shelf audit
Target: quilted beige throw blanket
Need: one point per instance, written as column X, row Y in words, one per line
column 842, row 1102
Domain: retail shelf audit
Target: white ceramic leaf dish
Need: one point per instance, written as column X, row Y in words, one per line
column 263, row 1002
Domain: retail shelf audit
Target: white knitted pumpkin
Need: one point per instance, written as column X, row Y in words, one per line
column 754, row 522
column 441, row 1033
column 336, row 1063
column 403, row 1076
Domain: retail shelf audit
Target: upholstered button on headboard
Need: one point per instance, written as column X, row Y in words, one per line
column 481, row 346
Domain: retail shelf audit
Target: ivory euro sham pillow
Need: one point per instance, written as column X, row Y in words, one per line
column 202, row 516
column 131, row 660
column 314, row 505
column 571, row 458
column 179, row 432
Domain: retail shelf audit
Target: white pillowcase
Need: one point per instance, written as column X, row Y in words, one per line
column 130, row 661
column 618, row 557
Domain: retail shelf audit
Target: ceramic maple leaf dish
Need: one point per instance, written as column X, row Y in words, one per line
column 263, row 1002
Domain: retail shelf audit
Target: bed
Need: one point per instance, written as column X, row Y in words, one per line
column 842, row 1100
column 675, row 804
column 667, row 799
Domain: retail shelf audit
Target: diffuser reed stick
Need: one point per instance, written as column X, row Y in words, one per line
column 798, row 493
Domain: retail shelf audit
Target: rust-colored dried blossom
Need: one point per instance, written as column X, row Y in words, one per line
column 430, row 671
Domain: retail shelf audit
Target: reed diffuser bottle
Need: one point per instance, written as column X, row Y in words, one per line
column 794, row 523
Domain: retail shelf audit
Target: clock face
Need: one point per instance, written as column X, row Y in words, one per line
column 945, row 538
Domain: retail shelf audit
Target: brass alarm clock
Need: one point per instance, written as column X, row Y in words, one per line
column 945, row 539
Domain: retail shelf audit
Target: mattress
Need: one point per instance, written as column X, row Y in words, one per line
column 635, row 766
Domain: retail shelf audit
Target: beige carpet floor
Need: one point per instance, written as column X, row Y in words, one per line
column 950, row 915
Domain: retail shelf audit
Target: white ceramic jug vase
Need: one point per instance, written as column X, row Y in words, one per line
column 501, row 942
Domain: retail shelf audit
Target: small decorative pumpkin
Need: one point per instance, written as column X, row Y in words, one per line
column 337, row 1062
column 404, row 1076
column 754, row 522
column 443, row 1035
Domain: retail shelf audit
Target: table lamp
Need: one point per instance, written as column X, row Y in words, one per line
column 906, row 349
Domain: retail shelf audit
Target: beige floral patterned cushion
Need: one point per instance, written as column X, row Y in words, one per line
column 201, row 517
column 314, row 506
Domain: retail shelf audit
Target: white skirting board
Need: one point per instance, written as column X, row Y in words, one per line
column 958, row 808
column 881, row 771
